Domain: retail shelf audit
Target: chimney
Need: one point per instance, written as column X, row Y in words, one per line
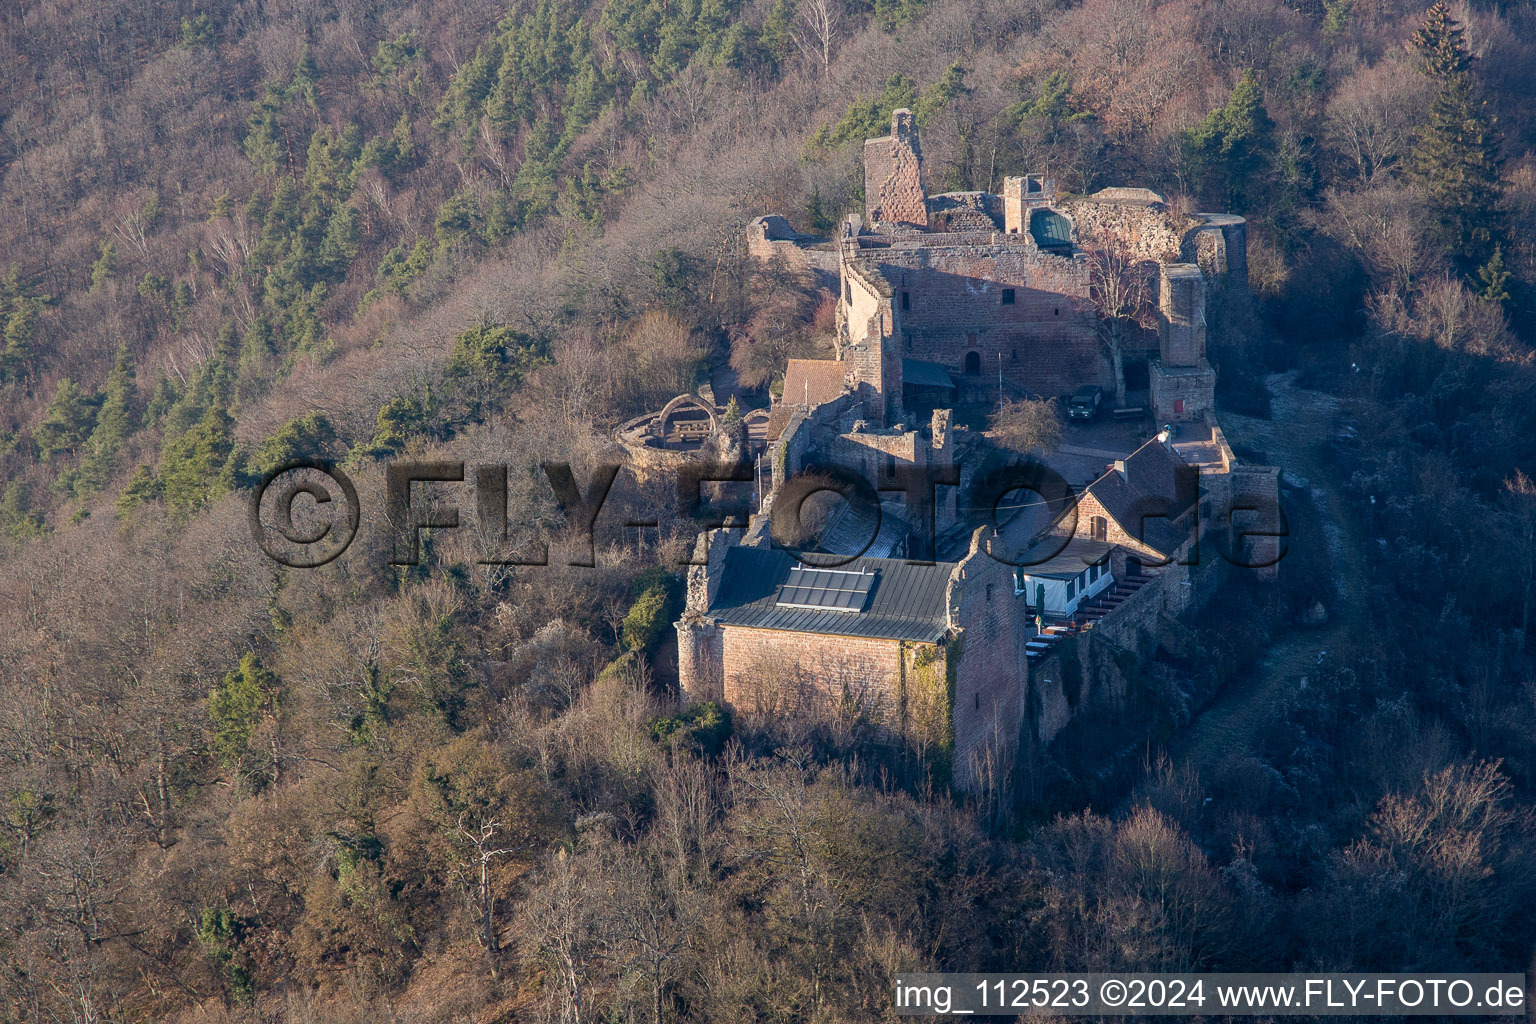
column 1120, row 468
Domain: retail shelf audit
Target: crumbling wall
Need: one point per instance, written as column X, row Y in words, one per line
column 1220, row 247
column 770, row 238
column 893, row 186
column 1135, row 219
column 871, row 454
column 989, row 673
column 1181, row 314
column 964, row 211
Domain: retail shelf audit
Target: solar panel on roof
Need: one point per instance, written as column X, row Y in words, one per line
column 832, row 590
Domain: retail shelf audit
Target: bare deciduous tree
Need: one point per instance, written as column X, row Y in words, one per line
column 1122, row 293
column 1371, row 117
column 559, row 926
column 816, row 31
column 1387, row 225
column 1028, row 425
column 479, row 841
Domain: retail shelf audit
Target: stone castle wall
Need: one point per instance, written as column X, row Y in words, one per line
column 1146, row 228
column 991, row 672
column 893, row 187
column 949, row 301
column 1258, row 488
column 776, row 671
column 770, row 238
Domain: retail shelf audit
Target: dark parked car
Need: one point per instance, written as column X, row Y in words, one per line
column 1084, row 404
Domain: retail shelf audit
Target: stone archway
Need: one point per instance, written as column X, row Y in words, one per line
column 973, row 363
column 680, row 415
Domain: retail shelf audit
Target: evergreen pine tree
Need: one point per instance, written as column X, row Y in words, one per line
column 114, row 424
column 306, row 78
column 1455, row 163
column 67, row 422
column 1495, row 279
column 237, row 705
column 1233, row 148
column 816, row 214
column 18, row 519
column 20, row 333
column 191, row 466
column 143, row 488
column 105, row 265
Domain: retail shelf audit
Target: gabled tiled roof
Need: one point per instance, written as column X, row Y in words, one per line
column 813, row 382
column 906, row 602
column 1156, row 488
column 778, row 419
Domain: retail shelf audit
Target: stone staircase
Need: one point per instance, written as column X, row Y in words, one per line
column 1043, row 643
column 1087, row 614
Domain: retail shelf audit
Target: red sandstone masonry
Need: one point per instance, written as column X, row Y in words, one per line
column 948, row 301
column 992, row 673
column 771, row 671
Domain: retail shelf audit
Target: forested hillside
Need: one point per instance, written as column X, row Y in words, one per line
column 233, row 233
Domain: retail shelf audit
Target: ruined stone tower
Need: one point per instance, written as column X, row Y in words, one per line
column 1183, row 383
column 1181, row 301
column 1020, row 196
column 893, row 165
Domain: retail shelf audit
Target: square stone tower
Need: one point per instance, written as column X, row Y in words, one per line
column 1021, row 195
column 1183, row 383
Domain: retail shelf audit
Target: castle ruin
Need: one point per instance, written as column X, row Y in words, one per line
column 976, row 297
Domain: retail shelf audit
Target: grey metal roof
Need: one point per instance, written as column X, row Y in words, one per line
column 856, row 522
column 922, row 374
column 1048, row 557
column 1050, row 229
column 906, row 601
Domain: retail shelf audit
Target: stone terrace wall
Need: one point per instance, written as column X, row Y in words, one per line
column 1090, row 669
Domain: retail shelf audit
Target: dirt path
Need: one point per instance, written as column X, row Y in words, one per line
column 1303, row 422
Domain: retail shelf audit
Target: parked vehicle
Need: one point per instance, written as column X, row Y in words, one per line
column 1085, row 401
